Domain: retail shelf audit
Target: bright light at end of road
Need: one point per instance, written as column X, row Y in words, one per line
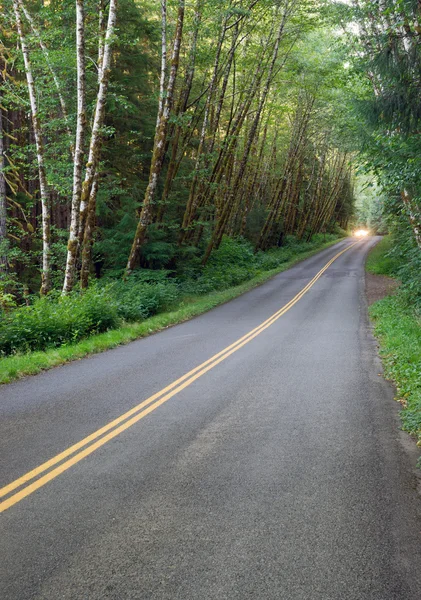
column 361, row 233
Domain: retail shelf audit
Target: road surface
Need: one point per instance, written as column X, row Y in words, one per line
column 274, row 470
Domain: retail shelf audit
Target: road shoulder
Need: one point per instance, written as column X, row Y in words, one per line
column 397, row 335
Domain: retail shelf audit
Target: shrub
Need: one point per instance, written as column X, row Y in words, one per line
column 231, row 264
column 54, row 321
column 136, row 300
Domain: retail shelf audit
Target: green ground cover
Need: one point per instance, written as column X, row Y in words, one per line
column 397, row 320
column 55, row 330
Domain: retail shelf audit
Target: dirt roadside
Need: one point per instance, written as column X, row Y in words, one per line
column 378, row 286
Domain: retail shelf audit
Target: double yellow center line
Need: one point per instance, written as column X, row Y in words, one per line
column 74, row 454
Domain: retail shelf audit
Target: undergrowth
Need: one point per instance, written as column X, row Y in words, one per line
column 148, row 302
column 397, row 322
column 54, row 321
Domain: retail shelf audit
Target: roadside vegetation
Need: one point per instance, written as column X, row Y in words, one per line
column 384, row 38
column 152, row 153
column 157, row 155
column 397, row 321
column 49, row 332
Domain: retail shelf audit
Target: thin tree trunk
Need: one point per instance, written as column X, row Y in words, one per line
column 191, row 201
column 145, row 217
column 39, row 143
column 3, row 200
column 220, row 227
column 301, row 122
column 72, row 245
column 197, row 189
column 163, row 60
column 414, row 216
column 102, row 23
column 229, row 145
column 44, row 49
column 88, row 196
column 181, row 109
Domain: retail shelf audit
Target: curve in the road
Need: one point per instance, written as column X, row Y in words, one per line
column 91, row 443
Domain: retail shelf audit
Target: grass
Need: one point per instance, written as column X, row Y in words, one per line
column 398, row 328
column 378, row 261
column 19, row 365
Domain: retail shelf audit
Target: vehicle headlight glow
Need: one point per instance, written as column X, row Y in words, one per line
column 361, row 233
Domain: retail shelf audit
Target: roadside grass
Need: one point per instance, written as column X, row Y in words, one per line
column 378, row 260
column 398, row 329
column 21, row 364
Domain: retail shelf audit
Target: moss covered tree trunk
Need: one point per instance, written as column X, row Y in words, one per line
column 221, row 224
column 180, row 110
column 3, row 200
column 158, row 154
column 72, row 245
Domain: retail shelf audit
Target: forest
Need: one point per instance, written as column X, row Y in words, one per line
column 152, row 152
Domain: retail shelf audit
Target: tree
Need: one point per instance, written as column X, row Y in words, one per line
column 158, row 154
column 72, row 245
column 44, row 192
column 3, row 201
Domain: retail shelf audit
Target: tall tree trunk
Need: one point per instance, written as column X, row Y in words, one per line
column 72, row 245
column 39, row 143
column 88, row 195
column 220, row 227
column 211, row 90
column 180, row 110
column 44, row 49
column 228, row 148
column 414, row 216
column 276, row 206
column 102, row 24
column 3, row 200
column 145, row 217
column 197, row 188
column 163, row 60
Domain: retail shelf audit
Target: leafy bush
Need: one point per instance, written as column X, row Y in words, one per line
column 400, row 333
column 399, row 256
column 235, row 261
column 136, row 300
column 55, row 321
column 231, row 264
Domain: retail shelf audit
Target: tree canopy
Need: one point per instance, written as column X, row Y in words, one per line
column 140, row 134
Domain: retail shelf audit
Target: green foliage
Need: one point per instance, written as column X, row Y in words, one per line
column 381, row 261
column 387, row 53
column 235, row 261
column 18, row 365
column 55, row 321
column 398, row 324
column 399, row 331
column 138, row 300
column 309, row 64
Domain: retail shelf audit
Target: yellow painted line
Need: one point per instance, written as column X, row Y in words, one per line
column 89, row 444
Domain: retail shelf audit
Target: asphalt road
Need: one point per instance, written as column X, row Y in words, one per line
column 279, row 473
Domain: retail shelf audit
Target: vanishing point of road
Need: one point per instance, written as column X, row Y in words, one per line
column 252, row 452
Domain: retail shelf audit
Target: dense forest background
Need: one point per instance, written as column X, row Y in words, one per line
column 182, row 141
column 231, row 124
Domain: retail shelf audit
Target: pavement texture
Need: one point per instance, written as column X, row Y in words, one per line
column 279, row 474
